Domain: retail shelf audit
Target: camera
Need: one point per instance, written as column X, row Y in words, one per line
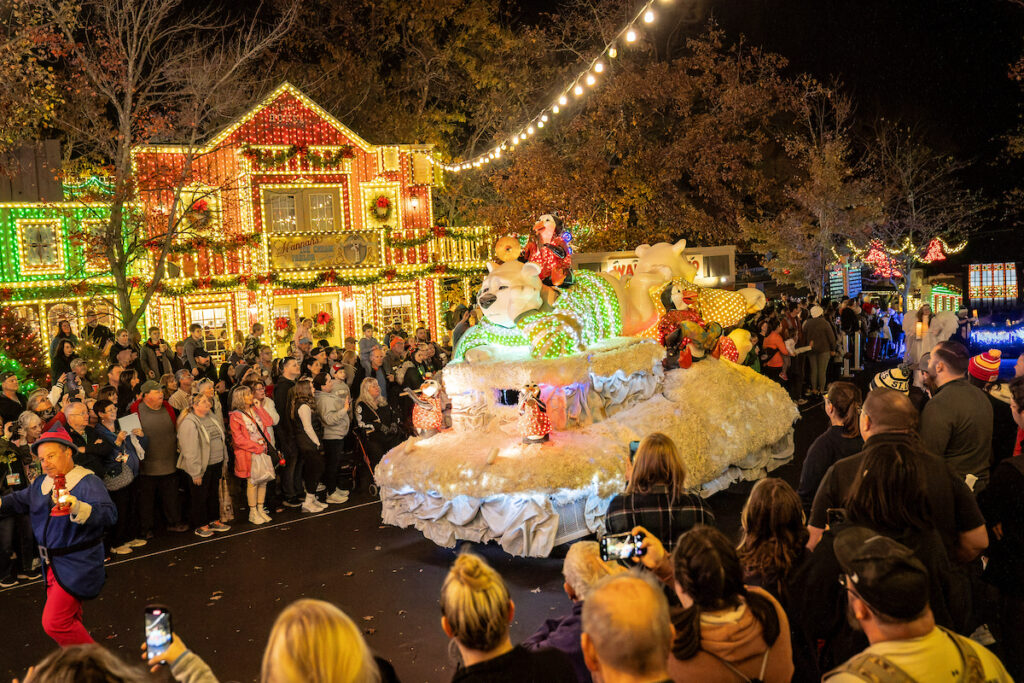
column 621, row 546
column 633, row 446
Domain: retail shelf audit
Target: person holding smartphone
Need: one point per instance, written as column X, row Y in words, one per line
column 656, row 497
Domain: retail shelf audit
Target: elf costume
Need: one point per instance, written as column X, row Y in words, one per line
column 70, row 544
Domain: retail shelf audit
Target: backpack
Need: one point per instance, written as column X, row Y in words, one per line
column 877, row 669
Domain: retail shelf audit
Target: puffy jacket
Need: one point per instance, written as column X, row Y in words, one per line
column 333, row 413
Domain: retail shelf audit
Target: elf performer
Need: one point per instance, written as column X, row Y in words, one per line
column 69, row 508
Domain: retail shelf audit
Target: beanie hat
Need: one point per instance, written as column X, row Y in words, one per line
column 985, row 366
column 816, row 311
column 57, row 434
column 397, row 344
column 894, row 378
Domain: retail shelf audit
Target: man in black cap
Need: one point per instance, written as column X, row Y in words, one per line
column 203, row 366
column 887, row 595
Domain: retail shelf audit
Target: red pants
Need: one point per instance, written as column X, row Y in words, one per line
column 62, row 615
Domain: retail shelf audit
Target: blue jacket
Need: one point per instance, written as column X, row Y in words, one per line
column 128, row 447
column 79, row 573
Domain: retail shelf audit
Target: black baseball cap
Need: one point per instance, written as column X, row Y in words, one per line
column 200, row 353
column 884, row 573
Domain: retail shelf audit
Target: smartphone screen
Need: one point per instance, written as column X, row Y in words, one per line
column 158, row 630
column 620, row 547
column 633, row 446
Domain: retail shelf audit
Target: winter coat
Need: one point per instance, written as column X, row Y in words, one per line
column 193, row 446
column 333, row 412
column 735, row 636
column 127, row 447
column 246, row 438
column 154, row 363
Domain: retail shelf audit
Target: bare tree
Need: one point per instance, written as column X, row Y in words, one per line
column 923, row 197
column 141, row 72
column 831, row 199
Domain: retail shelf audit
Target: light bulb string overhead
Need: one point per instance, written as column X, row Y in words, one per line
column 589, row 77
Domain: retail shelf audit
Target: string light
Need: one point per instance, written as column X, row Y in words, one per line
column 629, row 33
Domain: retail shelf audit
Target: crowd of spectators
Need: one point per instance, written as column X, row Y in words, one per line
column 806, row 343
column 898, row 557
column 183, row 445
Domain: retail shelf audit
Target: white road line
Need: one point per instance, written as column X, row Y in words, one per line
column 218, row 537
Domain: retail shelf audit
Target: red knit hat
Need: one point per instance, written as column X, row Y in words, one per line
column 985, row 366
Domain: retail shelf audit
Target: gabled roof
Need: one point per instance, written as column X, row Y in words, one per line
column 284, row 88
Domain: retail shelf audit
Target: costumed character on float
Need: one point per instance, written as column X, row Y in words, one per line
column 548, row 247
column 427, row 410
column 552, row 384
column 69, row 509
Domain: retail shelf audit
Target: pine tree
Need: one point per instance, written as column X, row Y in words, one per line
column 22, row 348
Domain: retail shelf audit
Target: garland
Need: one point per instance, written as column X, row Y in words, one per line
column 268, row 159
column 251, row 282
column 437, row 232
column 212, row 245
column 284, row 328
column 323, row 325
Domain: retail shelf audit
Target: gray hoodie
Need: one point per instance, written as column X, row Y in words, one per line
column 333, row 413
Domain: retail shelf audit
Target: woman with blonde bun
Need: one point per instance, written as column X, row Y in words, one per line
column 476, row 611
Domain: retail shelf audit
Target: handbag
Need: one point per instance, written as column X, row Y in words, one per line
column 120, row 480
column 227, row 509
column 261, row 470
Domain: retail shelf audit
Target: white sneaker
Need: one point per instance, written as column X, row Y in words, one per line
column 121, row 549
column 338, row 496
column 263, row 514
column 311, row 504
column 136, row 542
column 320, row 487
column 255, row 517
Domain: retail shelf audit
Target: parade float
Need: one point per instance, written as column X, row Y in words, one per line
column 564, row 370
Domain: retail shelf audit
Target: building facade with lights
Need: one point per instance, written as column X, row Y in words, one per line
column 301, row 217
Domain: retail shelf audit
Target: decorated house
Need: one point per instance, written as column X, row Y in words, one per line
column 299, row 217
column 308, row 220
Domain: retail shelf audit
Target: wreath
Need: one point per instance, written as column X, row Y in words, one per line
column 381, row 208
column 284, row 328
column 323, row 325
column 199, row 213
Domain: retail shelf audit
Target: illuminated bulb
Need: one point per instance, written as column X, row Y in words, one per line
column 563, row 100
column 515, row 140
column 649, row 16
column 529, row 130
column 591, row 80
column 544, row 118
column 612, row 53
column 630, row 36
column 555, row 109
column 599, row 67
column 540, row 124
column 578, row 90
column 414, row 203
column 497, row 152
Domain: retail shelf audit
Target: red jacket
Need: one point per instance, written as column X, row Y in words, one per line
column 247, row 443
